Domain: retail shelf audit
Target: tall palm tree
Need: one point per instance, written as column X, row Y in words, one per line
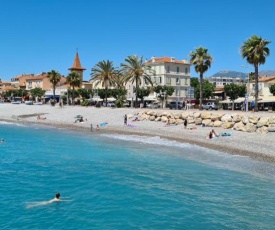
column 74, row 80
column 54, row 77
column 135, row 69
column 202, row 62
column 105, row 73
column 255, row 51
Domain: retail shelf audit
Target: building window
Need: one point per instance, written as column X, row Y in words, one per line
column 186, row 82
column 168, row 69
column 177, row 92
column 177, row 80
column 178, row 69
column 168, row 80
column 186, row 70
column 160, row 80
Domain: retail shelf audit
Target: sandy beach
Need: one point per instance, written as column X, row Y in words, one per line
column 258, row 146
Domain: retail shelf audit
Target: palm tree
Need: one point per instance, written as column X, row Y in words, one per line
column 105, row 73
column 134, row 70
column 74, row 80
column 202, row 62
column 54, row 77
column 255, row 51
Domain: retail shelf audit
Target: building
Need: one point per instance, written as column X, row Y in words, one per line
column 220, row 81
column 263, row 86
column 172, row 72
column 77, row 68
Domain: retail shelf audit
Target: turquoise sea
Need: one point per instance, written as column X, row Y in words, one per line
column 127, row 182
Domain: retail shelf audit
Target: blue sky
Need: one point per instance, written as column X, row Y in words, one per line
column 38, row 36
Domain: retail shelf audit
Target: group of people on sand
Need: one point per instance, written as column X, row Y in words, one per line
column 212, row 134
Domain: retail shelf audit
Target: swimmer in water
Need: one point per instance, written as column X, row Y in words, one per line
column 42, row 203
column 2, row 140
column 57, row 198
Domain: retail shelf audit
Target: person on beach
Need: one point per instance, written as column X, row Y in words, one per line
column 167, row 123
column 253, row 106
column 125, row 119
column 40, row 118
column 185, row 123
column 97, row 127
column 214, row 133
column 209, row 136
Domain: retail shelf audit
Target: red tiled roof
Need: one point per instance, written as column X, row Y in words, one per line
column 165, row 60
column 265, row 79
column 77, row 64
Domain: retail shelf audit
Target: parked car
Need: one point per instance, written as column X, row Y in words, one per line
column 210, row 106
column 154, row 105
column 110, row 104
column 175, row 105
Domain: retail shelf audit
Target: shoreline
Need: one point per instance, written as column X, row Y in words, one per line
column 209, row 144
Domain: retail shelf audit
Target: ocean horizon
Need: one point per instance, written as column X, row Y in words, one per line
column 113, row 181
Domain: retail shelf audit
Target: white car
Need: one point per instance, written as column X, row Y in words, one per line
column 110, row 104
column 154, row 105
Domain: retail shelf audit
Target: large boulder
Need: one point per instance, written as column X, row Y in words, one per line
column 158, row 119
column 217, row 123
column 191, row 114
column 205, row 115
column 172, row 121
column 197, row 114
column 272, row 120
column 250, row 128
column 226, row 118
column 228, row 125
column 198, row 121
column 239, row 126
column 164, row 119
column 178, row 121
column 206, row 122
column 177, row 116
column 237, row 117
column 216, row 117
column 152, row 113
column 245, row 120
column 264, row 121
column 262, row 130
column 253, row 119
column 184, row 115
column 271, row 128
column 152, row 118
column 190, row 120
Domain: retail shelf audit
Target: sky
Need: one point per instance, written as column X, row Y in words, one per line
column 38, row 36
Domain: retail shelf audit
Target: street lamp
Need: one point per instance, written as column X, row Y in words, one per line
column 247, row 86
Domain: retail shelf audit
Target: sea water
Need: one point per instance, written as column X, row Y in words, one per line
column 112, row 181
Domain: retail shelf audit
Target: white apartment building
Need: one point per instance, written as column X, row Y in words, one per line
column 221, row 81
column 172, row 72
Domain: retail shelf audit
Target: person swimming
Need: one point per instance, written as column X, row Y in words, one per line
column 2, row 140
column 57, row 198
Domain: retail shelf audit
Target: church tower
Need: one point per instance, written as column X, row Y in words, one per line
column 77, row 67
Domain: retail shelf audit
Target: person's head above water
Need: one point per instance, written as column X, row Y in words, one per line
column 57, row 195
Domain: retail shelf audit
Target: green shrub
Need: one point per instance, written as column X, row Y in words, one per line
column 85, row 103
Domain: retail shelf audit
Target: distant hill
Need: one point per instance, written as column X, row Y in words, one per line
column 229, row 73
column 267, row 73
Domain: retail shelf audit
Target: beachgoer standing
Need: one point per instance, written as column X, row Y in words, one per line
column 253, row 106
column 185, row 123
column 125, row 119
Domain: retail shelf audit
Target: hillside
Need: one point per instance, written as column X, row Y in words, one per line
column 234, row 74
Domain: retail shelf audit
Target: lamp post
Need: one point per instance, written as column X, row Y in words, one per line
column 247, row 86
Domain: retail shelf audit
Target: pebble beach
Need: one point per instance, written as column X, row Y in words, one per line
column 255, row 145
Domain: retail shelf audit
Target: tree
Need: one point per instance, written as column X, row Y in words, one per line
column 163, row 92
column 272, row 89
column 37, row 92
column 208, row 88
column 134, row 70
column 54, row 77
column 234, row 91
column 85, row 93
column 105, row 73
column 74, row 80
column 255, row 51
column 143, row 92
column 202, row 62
